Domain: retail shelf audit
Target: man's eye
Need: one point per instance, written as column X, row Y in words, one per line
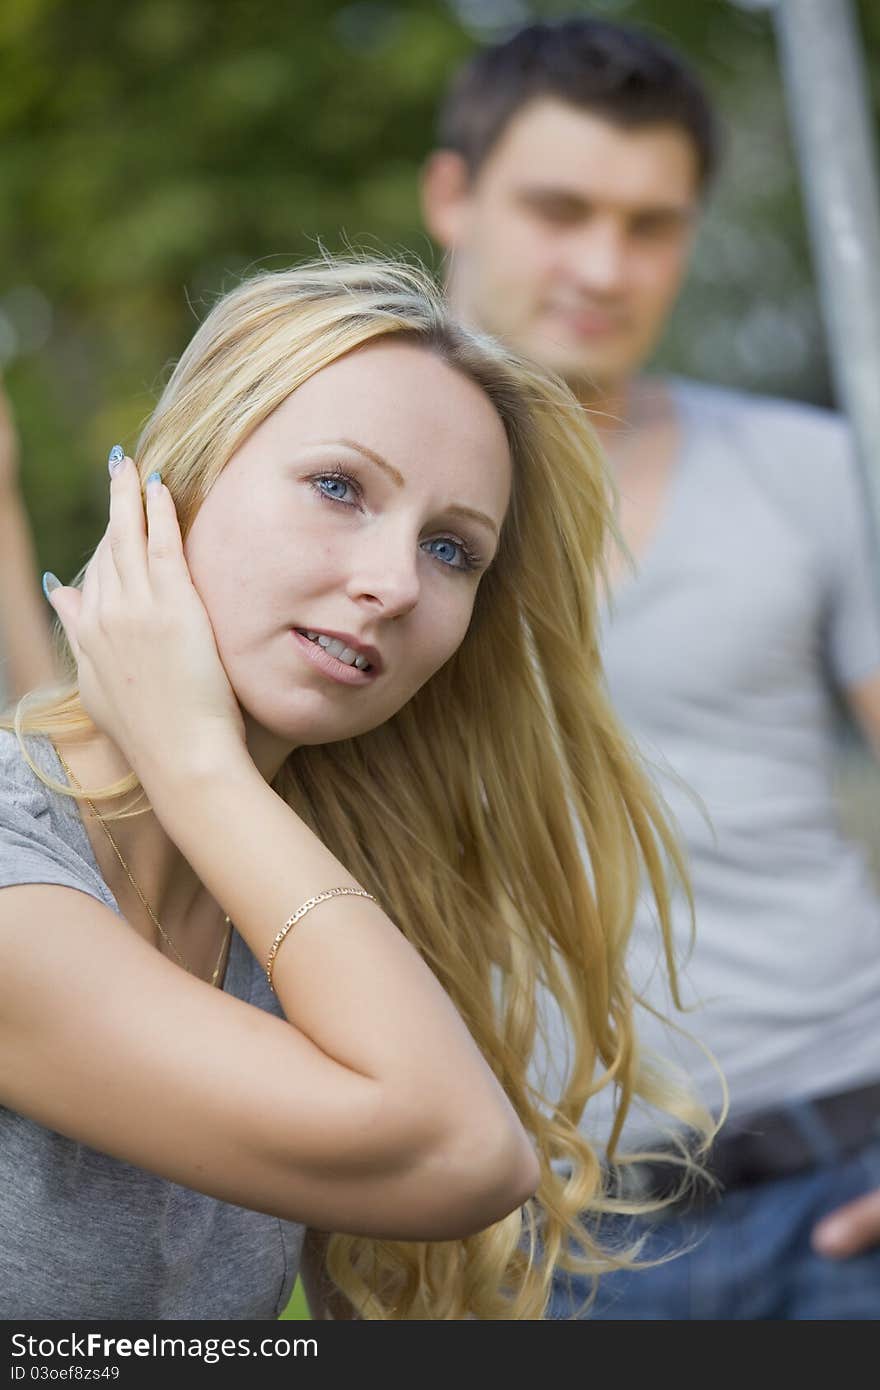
column 655, row 227
column 557, row 212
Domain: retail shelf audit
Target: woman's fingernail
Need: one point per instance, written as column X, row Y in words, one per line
column 51, row 582
column 115, row 458
column 154, row 482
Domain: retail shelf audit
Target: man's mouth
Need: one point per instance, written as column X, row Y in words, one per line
column 589, row 322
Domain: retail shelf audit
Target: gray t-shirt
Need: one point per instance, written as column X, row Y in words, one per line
column 83, row 1235
column 755, row 597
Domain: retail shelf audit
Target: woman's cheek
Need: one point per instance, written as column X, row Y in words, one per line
column 448, row 633
column 320, row 555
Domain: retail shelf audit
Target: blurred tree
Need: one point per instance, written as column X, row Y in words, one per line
column 154, row 151
column 151, row 154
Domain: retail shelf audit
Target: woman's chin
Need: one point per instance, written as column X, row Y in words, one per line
column 281, row 731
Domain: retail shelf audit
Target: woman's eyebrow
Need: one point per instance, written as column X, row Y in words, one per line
column 455, row 510
column 472, row 515
column 374, row 458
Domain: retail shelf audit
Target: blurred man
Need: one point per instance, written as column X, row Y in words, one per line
column 26, row 658
column 566, row 191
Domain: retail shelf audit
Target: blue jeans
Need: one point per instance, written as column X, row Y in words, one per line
column 750, row 1258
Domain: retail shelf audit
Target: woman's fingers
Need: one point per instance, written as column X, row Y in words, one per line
column 139, row 559
column 100, row 582
column 119, row 564
column 165, row 557
column 67, row 602
column 127, row 528
column 145, row 648
column 102, row 574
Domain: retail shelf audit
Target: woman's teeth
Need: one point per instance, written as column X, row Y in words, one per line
column 339, row 650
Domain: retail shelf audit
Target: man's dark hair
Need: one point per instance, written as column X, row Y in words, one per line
column 621, row 74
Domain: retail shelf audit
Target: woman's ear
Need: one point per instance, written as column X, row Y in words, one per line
column 445, row 188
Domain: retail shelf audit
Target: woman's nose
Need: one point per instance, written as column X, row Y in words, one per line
column 385, row 574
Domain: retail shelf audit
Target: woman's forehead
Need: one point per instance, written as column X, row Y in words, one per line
column 403, row 402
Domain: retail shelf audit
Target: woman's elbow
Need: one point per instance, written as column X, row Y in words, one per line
column 488, row 1172
column 512, row 1171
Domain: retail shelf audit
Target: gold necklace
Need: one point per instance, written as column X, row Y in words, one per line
column 227, row 935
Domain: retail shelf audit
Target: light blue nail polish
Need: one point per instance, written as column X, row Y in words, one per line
column 51, row 582
column 155, row 479
column 115, row 457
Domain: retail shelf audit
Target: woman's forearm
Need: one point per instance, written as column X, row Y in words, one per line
column 25, row 642
column 345, row 976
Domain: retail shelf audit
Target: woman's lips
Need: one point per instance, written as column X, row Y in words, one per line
column 329, row 665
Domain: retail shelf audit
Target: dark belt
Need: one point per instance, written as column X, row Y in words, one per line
column 778, row 1143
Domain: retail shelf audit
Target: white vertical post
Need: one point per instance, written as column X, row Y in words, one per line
column 826, row 89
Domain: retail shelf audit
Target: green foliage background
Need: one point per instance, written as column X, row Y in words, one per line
column 153, row 151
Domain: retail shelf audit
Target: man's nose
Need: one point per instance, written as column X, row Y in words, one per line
column 598, row 256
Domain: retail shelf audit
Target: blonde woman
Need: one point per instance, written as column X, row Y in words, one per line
column 337, row 726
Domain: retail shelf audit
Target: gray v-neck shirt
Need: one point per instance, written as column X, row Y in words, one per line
column 84, row 1235
column 753, row 600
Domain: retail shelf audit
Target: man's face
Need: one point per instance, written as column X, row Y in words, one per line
column 572, row 240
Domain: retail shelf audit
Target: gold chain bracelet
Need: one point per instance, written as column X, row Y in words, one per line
column 301, row 912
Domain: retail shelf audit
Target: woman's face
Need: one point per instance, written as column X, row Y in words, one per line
column 364, row 510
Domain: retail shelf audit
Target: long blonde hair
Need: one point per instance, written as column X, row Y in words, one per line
column 502, row 816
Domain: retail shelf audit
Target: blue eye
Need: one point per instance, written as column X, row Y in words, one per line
column 445, row 550
column 450, row 553
column 337, row 481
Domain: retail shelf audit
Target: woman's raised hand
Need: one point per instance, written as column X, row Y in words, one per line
column 150, row 675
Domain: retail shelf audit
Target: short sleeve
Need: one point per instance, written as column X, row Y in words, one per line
column 852, row 569
column 42, row 839
column 805, row 460
column 29, row 853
